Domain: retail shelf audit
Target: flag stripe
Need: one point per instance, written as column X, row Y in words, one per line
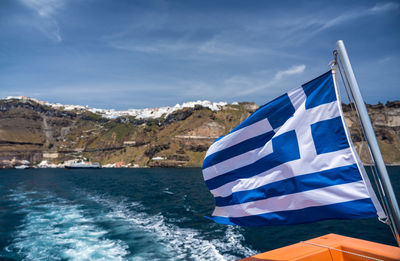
column 237, row 162
column 237, row 149
column 312, row 198
column 331, row 177
column 233, row 138
column 285, row 148
column 293, row 168
column 277, row 112
column 316, row 95
column 343, row 210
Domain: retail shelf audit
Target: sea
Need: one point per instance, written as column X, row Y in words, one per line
column 138, row 214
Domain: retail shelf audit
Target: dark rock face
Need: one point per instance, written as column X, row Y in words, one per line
column 393, row 104
column 32, row 106
column 178, row 116
column 347, row 107
column 179, row 157
column 378, row 106
column 150, row 152
column 386, row 122
column 197, row 147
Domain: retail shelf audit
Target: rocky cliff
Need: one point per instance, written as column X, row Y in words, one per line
column 385, row 119
column 33, row 131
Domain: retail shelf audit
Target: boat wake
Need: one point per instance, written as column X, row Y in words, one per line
column 55, row 229
column 169, row 241
column 100, row 227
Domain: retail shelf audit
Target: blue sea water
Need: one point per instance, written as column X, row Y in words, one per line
column 138, row 214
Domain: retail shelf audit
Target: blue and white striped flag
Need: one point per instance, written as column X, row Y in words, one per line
column 290, row 162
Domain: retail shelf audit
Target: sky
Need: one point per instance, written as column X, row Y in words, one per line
column 136, row 54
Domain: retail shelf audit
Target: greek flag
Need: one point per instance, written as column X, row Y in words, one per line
column 290, row 162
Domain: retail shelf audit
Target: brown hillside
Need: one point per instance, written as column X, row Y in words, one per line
column 35, row 132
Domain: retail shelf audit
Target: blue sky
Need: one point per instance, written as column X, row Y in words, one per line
column 135, row 54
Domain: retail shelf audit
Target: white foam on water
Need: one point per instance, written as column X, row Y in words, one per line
column 58, row 229
column 55, row 229
column 167, row 191
column 175, row 243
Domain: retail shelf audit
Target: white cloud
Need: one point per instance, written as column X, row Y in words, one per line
column 385, row 7
column 244, row 86
column 154, row 47
column 356, row 14
column 299, row 29
column 218, row 47
column 45, row 22
column 296, row 69
column 44, row 8
column 210, row 47
column 386, row 59
column 253, row 84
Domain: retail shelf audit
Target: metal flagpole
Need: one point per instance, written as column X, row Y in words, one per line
column 394, row 214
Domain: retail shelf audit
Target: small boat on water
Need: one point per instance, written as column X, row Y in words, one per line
column 22, row 167
column 83, row 165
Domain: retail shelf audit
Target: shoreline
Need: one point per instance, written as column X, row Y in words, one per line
column 177, row 167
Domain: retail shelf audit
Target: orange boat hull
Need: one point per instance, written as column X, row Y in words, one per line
column 331, row 247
